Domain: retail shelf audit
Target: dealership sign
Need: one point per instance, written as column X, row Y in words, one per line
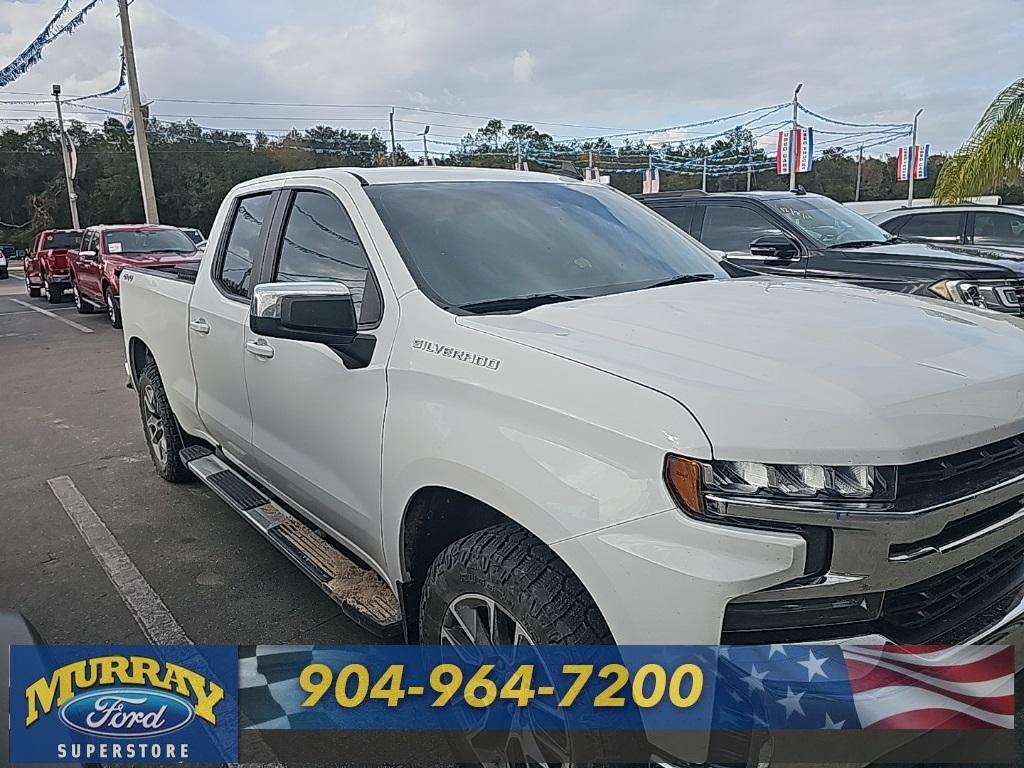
column 794, row 149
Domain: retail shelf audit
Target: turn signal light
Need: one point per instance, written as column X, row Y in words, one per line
column 683, row 478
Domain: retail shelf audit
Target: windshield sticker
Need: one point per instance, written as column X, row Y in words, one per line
column 114, row 247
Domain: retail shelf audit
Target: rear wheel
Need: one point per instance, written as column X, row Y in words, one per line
column 113, row 310
column 502, row 586
column 33, row 290
column 54, row 296
column 163, row 436
column 83, row 306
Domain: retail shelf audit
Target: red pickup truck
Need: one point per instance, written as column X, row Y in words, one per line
column 46, row 267
column 107, row 249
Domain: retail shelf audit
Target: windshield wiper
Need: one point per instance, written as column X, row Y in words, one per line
column 518, row 303
column 681, row 279
column 862, row 243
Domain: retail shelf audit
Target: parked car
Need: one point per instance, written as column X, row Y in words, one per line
column 106, row 250
column 998, row 227
column 46, row 267
column 7, row 252
column 195, row 235
column 792, row 234
column 533, row 406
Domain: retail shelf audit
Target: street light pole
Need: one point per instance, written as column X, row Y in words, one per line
column 426, row 157
column 860, row 165
column 394, row 150
column 72, row 195
column 911, row 159
column 138, row 120
column 792, row 138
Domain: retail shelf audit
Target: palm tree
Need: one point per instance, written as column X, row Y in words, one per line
column 993, row 153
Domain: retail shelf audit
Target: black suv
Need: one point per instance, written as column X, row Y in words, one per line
column 795, row 234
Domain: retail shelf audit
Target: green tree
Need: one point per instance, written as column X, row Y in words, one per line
column 994, row 153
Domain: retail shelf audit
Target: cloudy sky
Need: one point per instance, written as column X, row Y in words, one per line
column 571, row 68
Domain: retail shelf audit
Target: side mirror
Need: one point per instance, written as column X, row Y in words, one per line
column 87, row 255
column 319, row 312
column 776, row 246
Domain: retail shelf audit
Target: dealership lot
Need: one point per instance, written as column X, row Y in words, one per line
column 65, row 412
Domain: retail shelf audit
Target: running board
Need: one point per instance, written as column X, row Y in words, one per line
column 360, row 592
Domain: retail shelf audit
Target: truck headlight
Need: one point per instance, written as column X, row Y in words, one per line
column 690, row 481
column 960, row 291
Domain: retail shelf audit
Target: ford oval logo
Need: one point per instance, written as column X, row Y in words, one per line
column 127, row 713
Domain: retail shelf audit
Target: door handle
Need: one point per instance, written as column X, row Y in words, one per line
column 260, row 348
column 199, row 325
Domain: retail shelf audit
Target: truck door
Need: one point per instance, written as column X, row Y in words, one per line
column 733, row 227
column 87, row 268
column 217, row 318
column 317, row 424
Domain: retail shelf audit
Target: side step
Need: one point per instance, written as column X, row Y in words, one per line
column 360, row 592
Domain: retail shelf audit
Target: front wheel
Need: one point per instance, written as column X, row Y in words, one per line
column 501, row 586
column 83, row 306
column 113, row 308
column 163, row 437
column 33, row 290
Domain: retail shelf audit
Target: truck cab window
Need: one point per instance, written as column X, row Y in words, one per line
column 235, row 273
column 733, row 228
column 320, row 243
column 940, row 227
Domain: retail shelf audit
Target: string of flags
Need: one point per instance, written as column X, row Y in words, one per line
column 34, row 52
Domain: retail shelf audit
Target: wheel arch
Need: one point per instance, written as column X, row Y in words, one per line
column 435, row 517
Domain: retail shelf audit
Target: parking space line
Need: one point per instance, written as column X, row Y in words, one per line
column 150, row 612
column 48, row 313
column 26, row 312
column 144, row 603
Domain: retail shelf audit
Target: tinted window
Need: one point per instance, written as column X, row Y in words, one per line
column 62, row 240
column 320, row 243
column 825, row 221
column 943, row 227
column 243, row 243
column 149, row 241
column 998, row 229
column 469, row 242
column 681, row 216
column 732, row 228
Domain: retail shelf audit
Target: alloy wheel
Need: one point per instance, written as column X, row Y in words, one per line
column 154, row 425
column 471, row 623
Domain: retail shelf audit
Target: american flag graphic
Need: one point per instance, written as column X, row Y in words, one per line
column 856, row 687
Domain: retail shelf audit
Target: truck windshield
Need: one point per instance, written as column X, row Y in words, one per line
column 61, row 240
column 827, row 222
column 510, row 245
column 149, row 241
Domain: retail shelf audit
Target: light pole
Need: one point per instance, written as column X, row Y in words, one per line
column 138, row 119
column 860, row 166
column 792, row 138
column 394, row 150
column 911, row 161
column 426, row 157
column 72, row 195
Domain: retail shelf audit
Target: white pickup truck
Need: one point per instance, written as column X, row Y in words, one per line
column 525, row 408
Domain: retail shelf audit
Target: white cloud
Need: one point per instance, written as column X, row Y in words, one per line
column 522, row 67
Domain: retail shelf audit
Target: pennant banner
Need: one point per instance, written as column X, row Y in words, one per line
column 912, row 157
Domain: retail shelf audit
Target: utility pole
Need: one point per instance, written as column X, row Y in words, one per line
column 394, row 151
column 792, row 139
column 138, row 119
column 426, row 157
column 72, row 196
column 704, row 176
column 911, row 161
column 750, row 161
column 860, row 165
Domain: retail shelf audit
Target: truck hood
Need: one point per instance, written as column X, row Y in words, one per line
column 797, row 370
column 974, row 261
column 150, row 259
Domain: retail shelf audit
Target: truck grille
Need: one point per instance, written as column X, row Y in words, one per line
column 951, row 477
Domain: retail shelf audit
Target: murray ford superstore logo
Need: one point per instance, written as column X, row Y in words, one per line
column 117, row 704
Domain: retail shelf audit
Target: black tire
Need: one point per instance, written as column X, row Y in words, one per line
column 519, row 573
column 54, row 297
column 167, row 462
column 33, row 290
column 113, row 308
column 81, row 305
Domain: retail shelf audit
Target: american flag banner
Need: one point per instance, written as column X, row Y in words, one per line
column 846, row 687
column 912, row 157
column 794, row 147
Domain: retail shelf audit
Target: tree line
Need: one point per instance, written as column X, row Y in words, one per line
column 194, row 167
